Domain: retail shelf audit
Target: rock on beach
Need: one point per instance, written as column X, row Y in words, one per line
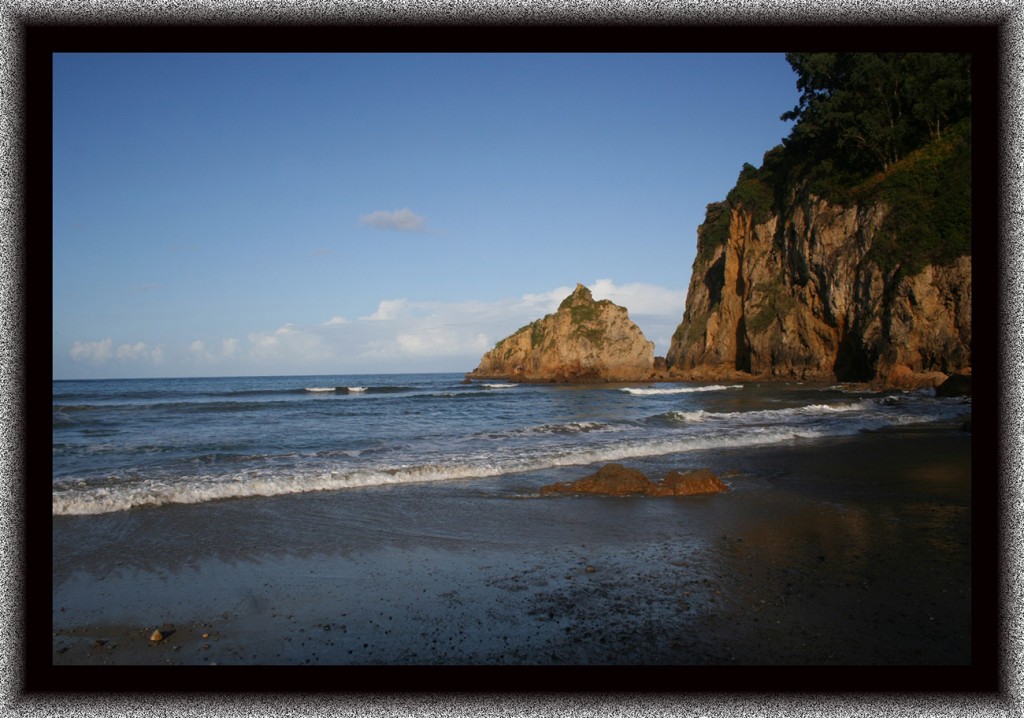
column 955, row 385
column 685, row 483
column 618, row 480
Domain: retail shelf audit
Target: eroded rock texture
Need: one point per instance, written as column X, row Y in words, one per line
column 800, row 297
column 584, row 341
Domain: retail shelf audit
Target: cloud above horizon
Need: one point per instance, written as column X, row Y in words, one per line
column 402, row 334
column 102, row 351
column 92, row 351
column 638, row 298
column 401, row 220
column 387, row 309
column 642, row 299
column 300, row 345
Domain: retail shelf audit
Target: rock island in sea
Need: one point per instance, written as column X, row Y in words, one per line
column 585, row 341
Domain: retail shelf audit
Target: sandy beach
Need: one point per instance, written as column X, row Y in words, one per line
column 810, row 559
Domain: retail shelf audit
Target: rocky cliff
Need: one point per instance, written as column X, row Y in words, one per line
column 584, row 341
column 799, row 295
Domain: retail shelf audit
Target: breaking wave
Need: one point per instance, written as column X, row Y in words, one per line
column 654, row 391
column 572, row 427
column 356, row 389
column 124, row 450
column 811, row 410
column 123, row 495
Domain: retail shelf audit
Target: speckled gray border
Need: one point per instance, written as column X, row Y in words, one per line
column 15, row 13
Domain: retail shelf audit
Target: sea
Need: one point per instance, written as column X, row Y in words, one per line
column 142, row 444
column 399, row 519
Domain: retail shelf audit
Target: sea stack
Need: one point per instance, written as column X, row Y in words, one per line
column 585, row 341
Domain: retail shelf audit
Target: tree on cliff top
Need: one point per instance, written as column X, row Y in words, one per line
column 894, row 127
column 868, row 110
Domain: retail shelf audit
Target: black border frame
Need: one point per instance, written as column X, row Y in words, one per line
column 984, row 40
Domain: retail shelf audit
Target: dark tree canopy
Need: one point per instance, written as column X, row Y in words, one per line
column 868, row 110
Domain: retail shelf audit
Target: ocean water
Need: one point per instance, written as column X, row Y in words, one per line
column 130, row 445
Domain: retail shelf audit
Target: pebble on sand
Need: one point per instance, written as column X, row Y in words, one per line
column 156, row 636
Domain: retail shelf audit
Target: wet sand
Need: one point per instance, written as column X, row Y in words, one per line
column 852, row 553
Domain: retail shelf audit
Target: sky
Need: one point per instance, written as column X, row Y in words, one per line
column 276, row 214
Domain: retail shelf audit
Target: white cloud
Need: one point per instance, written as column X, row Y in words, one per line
column 427, row 342
column 402, row 220
column 132, row 351
column 388, row 309
column 197, row 350
column 402, row 334
column 95, row 352
column 290, row 343
column 103, row 351
column 440, row 341
column 641, row 299
column 545, row 302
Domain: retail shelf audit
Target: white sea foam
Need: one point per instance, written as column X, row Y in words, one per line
column 499, row 386
column 316, row 389
column 571, row 427
column 776, row 415
column 690, row 416
column 678, row 389
column 123, row 496
column 356, row 389
column 518, row 449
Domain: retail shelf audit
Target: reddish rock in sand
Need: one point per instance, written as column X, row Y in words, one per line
column 684, row 483
column 610, row 480
column 618, row 480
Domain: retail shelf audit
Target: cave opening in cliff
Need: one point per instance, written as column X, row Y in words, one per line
column 853, row 362
column 742, row 346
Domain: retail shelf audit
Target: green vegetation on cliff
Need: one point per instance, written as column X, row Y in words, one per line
column 753, row 192
column 536, row 334
column 584, row 312
column 778, row 303
column 890, row 128
column 585, row 316
column 929, row 199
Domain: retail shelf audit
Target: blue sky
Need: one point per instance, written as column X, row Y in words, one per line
column 221, row 215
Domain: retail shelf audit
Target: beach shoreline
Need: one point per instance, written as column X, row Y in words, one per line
column 808, row 560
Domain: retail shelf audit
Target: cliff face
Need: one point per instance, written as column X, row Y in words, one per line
column 800, row 297
column 584, row 341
